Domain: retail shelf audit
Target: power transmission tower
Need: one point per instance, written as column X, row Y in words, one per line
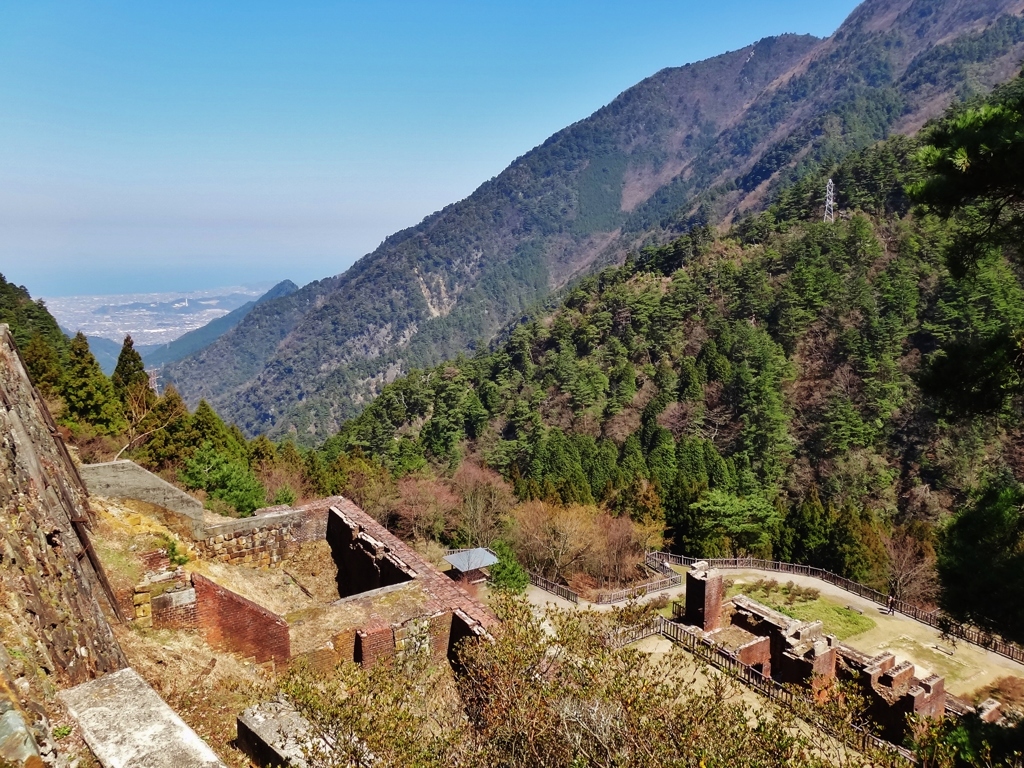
column 830, row 202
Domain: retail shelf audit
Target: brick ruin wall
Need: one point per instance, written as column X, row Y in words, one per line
column 230, row 621
column 705, row 592
column 445, row 591
column 793, row 652
column 368, row 557
column 176, row 610
column 891, row 690
column 758, row 654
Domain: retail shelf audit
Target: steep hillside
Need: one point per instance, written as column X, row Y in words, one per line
column 779, row 393
column 28, row 318
column 691, row 143
column 194, row 341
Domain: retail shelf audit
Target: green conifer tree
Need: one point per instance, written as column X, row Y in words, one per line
column 130, row 373
column 662, row 459
column 43, row 363
column 633, row 463
column 811, row 529
column 88, row 394
column 169, row 435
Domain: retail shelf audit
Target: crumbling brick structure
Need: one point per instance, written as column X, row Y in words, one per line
column 705, row 593
column 388, row 598
column 176, row 609
column 364, row 561
column 892, row 690
column 757, row 654
column 799, row 652
column 230, row 621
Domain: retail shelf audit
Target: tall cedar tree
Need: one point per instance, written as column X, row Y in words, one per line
column 88, row 394
column 129, row 373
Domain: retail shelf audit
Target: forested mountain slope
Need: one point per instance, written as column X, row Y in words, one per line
column 697, row 142
column 800, row 390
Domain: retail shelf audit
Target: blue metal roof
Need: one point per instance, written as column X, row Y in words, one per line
column 471, row 559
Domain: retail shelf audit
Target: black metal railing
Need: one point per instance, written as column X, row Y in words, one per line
column 638, row 590
column 789, row 697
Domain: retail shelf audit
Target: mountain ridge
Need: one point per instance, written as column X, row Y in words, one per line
column 723, row 131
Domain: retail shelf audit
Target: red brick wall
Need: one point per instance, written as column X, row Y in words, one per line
column 450, row 596
column 326, row 659
column 374, row 643
column 440, row 635
column 230, row 621
column 157, row 560
column 175, row 610
column 757, row 651
column 704, row 596
column 345, row 645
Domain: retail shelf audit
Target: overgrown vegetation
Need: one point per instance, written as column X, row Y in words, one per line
column 553, row 690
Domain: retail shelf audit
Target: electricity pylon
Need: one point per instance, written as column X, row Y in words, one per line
column 830, row 202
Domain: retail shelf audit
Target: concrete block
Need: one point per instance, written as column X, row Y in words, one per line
column 273, row 734
column 176, row 599
column 127, row 725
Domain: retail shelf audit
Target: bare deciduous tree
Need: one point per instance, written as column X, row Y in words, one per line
column 912, row 574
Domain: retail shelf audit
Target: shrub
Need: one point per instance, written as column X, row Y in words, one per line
column 175, row 553
column 507, row 574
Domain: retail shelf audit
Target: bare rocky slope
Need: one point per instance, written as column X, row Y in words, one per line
column 700, row 142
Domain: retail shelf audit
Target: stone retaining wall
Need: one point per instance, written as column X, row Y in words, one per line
column 264, row 540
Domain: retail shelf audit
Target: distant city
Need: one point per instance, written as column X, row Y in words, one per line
column 150, row 318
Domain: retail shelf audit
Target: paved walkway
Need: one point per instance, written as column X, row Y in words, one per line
column 967, row 668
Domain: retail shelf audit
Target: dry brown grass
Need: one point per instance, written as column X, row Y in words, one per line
column 274, row 590
column 207, row 688
column 313, row 567
column 1008, row 690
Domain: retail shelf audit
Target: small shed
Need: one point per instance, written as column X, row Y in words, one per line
column 470, row 564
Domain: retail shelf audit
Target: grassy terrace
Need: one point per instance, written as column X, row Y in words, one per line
column 806, row 604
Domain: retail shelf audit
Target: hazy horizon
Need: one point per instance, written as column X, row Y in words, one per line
column 173, row 148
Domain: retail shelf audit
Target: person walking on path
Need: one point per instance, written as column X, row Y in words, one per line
column 891, row 604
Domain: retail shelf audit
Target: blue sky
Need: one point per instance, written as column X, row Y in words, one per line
column 179, row 145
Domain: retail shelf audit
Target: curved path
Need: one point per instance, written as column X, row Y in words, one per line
column 967, row 668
